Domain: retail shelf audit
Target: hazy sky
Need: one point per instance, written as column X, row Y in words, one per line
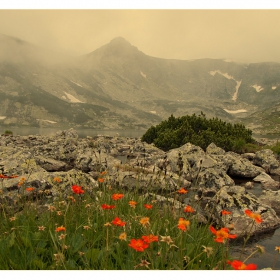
column 240, row 35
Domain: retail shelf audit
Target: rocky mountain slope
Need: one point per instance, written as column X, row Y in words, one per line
column 118, row 86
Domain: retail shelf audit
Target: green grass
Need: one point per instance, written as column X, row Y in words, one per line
column 89, row 240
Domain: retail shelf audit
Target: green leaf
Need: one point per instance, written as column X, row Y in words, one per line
column 26, row 241
column 71, row 264
column 38, row 264
column 11, row 239
column 92, row 255
column 77, row 242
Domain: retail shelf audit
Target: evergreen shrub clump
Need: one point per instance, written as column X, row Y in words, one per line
column 199, row 131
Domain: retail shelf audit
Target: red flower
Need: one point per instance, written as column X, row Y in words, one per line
column 148, row 206
column 224, row 212
column 62, row 228
column 189, row 209
column 138, row 245
column 238, row 265
column 29, row 189
column 2, row 176
column 118, row 222
column 77, row 190
column 101, row 180
column 182, row 191
column 117, row 196
column 255, row 216
column 150, row 238
column 13, row 176
column 106, row 206
column 222, row 234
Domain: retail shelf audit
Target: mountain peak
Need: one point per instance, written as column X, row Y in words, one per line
column 117, row 47
column 119, row 41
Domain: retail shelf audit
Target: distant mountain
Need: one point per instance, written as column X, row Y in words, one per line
column 118, row 86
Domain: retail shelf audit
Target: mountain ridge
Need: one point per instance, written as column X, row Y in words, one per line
column 118, row 86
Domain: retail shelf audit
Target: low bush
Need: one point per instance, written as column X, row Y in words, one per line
column 199, row 131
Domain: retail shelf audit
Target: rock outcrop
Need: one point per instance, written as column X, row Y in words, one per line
column 135, row 165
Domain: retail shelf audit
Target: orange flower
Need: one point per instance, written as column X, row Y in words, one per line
column 138, row 245
column 21, row 181
column 182, row 191
column 255, row 216
column 86, row 227
column 150, row 238
column 144, row 221
column 183, row 224
column 224, row 212
column 103, row 173
column 100, row 180
column 29, row 189
column 57, row 179
column 117, row 196
column 106, row 206
column 189, row 209
column 238, row 265
column 132, row 203
column 222, row 234
column 122, row 236
column 148, row 206
column 62, row 228
column 118, row 222
column 77, row 190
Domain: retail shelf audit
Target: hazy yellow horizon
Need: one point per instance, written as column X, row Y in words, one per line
column 241, row 35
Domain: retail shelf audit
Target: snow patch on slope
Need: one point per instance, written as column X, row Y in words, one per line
column 257, row 88
column 72, row 98
column 226, row 75
column 76, row 83
column 238, row 83
column 46, row 121
column 143, row 75
column 236, row 111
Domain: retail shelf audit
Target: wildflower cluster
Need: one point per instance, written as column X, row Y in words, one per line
column 143, row 243
column 118, row 230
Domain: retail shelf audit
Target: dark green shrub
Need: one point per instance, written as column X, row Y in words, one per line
column 200, row 131
column 8, row 132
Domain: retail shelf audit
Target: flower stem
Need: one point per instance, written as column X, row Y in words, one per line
column 250, row 256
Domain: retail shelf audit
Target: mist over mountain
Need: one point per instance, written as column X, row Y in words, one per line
column 118, row 86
